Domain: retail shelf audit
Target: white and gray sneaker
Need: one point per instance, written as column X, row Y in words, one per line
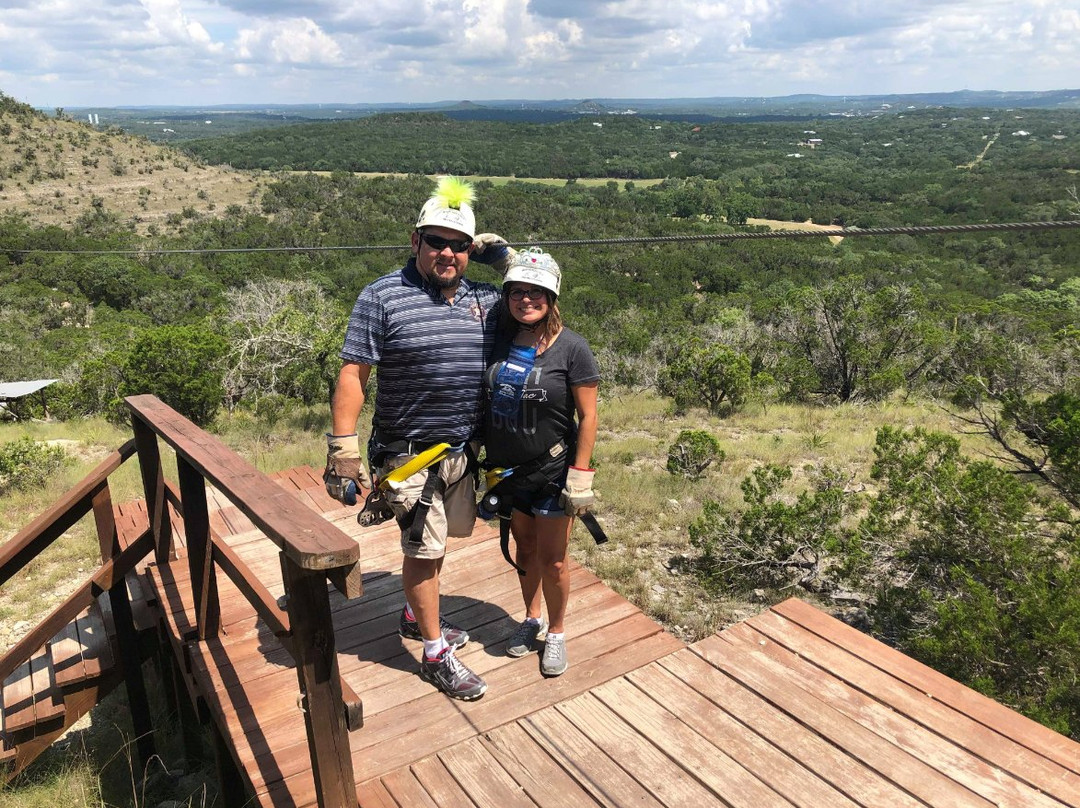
column 553, row 662
column 521, row 641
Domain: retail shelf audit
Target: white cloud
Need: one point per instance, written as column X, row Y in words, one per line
column 296, row 41
column 219, row 51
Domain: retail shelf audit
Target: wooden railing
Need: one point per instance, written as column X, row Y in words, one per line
column 90, row 495
column 312, row 551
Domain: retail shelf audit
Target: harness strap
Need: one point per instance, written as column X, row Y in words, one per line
column 597, row 532
column 416, row 518
column 504, row 543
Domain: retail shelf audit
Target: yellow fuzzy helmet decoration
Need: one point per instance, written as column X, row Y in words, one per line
column 450, row 206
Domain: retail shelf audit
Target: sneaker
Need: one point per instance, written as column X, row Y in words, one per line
column 554, row 663
column 452, row 676
column 455, row 637
column 521, row 641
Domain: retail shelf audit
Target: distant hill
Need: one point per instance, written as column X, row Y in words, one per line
column 174, row 123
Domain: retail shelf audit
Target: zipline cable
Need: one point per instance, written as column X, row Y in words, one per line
column 842, row 232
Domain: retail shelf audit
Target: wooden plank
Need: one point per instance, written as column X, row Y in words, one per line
column 975, row 738
column 319, row 681
column 756, row 671
column 1032, row 734
column 440, row 784
column 482, row 778
column 935, row 751
column 635, row 753
column 753, row 752
column 589, row 765
column 540, row 777
column 708, row 763
column 374, row 795
column 799, row 742
column 67, row 656
column 48, row 701
column 18, row 700
column 97, row 649
column 407, row 790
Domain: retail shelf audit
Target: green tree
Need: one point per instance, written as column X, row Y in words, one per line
column 711, row 374
column 181, row 365
column 844, row 340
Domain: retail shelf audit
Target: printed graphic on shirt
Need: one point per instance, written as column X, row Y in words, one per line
column 525, row 417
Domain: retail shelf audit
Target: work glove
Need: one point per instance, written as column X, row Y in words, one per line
column 345, row 471
column 577, row 496
column 492, row 250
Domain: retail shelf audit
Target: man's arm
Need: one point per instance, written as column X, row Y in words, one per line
column 349, row 397
column 345, row 470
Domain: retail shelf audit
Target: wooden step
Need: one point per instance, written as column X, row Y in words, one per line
column 32, row 701
column 82, row 651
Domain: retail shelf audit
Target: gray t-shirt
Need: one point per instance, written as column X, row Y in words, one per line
column 546, row 413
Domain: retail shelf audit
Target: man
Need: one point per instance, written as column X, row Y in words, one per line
column 429, row 331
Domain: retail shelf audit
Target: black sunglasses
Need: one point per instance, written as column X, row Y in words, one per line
column 438, row 243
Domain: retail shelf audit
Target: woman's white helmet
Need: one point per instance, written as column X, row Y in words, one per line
column 450, row 207
column 534, row 266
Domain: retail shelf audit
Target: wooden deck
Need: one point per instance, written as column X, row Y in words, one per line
column 788, row 708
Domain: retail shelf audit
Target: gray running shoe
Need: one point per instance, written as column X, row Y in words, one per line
column 455, row 637
column 521, row 641
column 554, row 663
column 452, row 676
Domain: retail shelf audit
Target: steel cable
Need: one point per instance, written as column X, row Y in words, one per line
column 843, row 232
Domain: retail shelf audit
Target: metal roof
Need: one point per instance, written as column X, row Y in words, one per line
column 10, row 390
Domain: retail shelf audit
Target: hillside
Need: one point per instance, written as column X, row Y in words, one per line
column 56, row 170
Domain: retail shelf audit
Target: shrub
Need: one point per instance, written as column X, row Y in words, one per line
column 693, row 451
column 25, row 463
column 981, row 584
column 772, row 543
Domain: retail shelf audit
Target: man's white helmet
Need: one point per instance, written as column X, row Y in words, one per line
column 449, row 207
column 534, row 266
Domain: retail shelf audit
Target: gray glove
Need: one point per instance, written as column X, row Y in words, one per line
column 345, row 471
column 491, row 249
column 577, row 496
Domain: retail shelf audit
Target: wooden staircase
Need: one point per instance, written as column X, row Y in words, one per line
column 57, row 685
column 66, row 664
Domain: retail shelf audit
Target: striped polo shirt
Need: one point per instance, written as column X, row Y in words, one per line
column 430, row 354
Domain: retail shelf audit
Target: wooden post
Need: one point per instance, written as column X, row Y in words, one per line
column 146, row 444
column 127, row 638
column 230, row 780
column 200, row 549
column 320, row 685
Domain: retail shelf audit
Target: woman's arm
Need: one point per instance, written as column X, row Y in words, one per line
column 585, row 402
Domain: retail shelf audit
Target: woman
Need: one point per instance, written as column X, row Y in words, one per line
column 541, row 429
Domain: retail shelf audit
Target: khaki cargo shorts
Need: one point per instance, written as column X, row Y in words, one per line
column 452, row 513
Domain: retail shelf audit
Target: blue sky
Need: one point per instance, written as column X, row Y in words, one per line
column 191, row 52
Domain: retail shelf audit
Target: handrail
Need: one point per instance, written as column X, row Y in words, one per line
column 309, row 540
column 108, row 575
column 25, row 545
column 312, row 552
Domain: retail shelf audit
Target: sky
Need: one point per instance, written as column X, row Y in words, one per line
column 84, row 53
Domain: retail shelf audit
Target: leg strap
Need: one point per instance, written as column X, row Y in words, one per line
column 415, row 519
